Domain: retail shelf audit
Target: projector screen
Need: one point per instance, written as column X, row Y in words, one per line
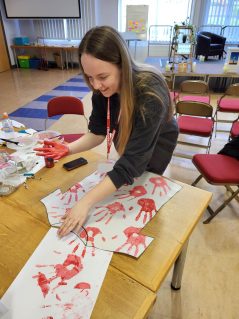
column 42, row 9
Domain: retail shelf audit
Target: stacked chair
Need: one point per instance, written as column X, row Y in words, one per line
column 194, row 118
column 194, row 90
column 227, row 104
column 61, row 105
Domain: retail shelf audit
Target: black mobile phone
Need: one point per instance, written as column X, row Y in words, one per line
column 75, row 163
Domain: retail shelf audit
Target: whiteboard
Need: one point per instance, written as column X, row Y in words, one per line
column 40, row 9
column 137, row 19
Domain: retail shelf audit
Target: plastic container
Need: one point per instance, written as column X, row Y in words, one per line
column 23, row 61
column 7, row 126
column 49, row 162
column 21, row 41
column 34, row 63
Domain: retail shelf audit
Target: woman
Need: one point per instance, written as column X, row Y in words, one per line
column 131, row 107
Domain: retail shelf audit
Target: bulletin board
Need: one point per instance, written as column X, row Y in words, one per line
column 137, row 19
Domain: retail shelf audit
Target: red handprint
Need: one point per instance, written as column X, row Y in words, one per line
column 148, row 206
column 111, row 210
column 68, row 269
column 73, row 190
column 133, row 240
column 135, row 192
column 161, row 183
column 89, row 233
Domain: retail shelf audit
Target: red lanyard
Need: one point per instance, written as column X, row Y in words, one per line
column 110, row 136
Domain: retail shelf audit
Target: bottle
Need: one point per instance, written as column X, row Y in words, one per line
column 7, row 126
column 49, row 162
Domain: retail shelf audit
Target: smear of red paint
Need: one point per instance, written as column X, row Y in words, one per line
column 68, row 306
column 75, row 249
column 43, row 283
column 83, row 285
column 57, row 297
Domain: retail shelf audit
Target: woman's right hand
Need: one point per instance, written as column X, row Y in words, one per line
column 52, row 149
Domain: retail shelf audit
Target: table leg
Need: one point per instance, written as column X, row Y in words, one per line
column 62, row 66
column 178, row 268
column 66, row 57
column 15, row 57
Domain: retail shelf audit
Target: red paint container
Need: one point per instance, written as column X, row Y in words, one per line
column 49, row 162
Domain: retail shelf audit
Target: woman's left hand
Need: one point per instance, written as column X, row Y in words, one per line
column 73, row 219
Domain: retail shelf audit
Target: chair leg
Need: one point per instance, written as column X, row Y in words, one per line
column 226, row 202
column 197, row 180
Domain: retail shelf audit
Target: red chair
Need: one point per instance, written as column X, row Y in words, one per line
column 228, row 103
column 61, row 105
column 194, row 118
column 194, row 90
column 234, row 130
column 218, row 169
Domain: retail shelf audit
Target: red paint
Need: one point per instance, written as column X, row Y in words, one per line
column 90, row 233
column 134, row 239
column 82, row 285
column 68, row 306
column 57, row 297
column 75, row 249
column 148, row 206
column 135, row 192
column 71, row 242
column 43, row 283
column 161, row 183
column 110, row 210
column 74, row 264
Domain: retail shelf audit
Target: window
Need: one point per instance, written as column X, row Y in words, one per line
column 161, row 12
column 226, row 14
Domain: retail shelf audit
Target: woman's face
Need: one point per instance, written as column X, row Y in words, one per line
column 103, row 76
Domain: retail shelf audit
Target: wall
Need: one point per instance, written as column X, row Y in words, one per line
column 106, row 14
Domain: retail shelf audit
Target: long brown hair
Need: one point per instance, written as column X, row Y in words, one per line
column 106, row 44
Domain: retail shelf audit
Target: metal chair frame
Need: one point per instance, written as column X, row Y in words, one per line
column 195, row 109
column 233, row 195
column 231, row 91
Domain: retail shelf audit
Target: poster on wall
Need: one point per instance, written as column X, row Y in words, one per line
column 232, row 60
column 137, row 19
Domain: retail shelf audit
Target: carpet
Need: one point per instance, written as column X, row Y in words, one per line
column 33, row 114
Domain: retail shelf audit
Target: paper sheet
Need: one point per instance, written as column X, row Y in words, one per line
column 114, row 224
column 61, row 280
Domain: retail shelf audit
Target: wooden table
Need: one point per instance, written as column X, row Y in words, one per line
column 23, row 224
column 64, row 51
column 133, row 282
